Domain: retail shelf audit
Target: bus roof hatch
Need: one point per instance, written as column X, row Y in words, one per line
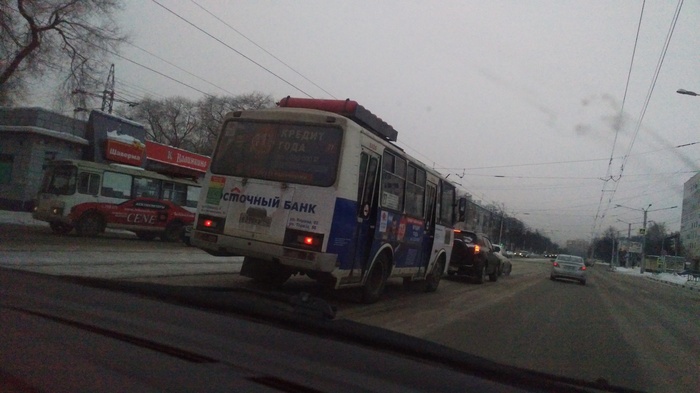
column 350, row 109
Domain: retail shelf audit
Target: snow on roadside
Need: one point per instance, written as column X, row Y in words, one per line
column 26, row 219
column 19, row 218
column 667, row 277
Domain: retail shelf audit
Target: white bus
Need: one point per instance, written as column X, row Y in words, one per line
column 317, row 187
column 91, row 196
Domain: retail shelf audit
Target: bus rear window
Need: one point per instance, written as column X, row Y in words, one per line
column 283, row 152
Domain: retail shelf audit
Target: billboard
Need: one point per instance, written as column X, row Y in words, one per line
column 630, row 246
column 115, row 139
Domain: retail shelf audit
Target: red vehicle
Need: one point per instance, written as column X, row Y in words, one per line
column 147, row 217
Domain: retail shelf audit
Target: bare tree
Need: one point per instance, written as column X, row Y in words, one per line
column 188, row 124
column 66, row 38
column 173, row 121
column 212, row 111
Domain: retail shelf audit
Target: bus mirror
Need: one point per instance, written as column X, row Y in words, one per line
column 462, row 210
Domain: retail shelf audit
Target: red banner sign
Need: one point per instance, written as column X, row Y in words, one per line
column 126, row 153
column 177, row 157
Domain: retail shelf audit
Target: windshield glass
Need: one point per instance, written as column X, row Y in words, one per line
column 289, row 153
column 60, row 180
column 371, row 155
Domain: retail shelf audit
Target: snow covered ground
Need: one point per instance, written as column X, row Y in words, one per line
column 120, row 258
column 672, row 278
column 22, row 218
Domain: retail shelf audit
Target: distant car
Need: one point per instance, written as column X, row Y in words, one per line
column 147, row 217
column 473, row 255
column 570, row 267
column 506, row 265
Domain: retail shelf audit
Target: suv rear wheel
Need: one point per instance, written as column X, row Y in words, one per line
column 433, row 280
column 480, row 274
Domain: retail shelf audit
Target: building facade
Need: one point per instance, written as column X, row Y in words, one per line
column 29, row 138
column 32, row 137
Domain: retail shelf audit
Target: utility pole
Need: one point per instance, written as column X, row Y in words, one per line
column 108, row 92
column 500, row 231
column 107, row 95
column 642, row 263
column 612, row 253
column 644, row 229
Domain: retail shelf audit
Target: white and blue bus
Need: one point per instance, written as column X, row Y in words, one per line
column 317, row 187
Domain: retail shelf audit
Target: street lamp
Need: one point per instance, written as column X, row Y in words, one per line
column 644, row 228
column 629, row 227
column 687, row 92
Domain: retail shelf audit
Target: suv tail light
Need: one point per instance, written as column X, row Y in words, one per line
column 477, row 249
column 583, row 267
column 555, row 264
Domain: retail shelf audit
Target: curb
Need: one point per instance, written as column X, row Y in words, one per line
column 690, row 287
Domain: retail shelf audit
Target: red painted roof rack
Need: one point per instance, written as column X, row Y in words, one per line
column 350, row 109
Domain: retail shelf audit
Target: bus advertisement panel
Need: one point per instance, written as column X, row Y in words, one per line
column 90, row 197
column 304, row 190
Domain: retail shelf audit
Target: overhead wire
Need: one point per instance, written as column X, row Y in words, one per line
column 232, row 48
column 182, row 69
column 657, row 71
column 261, row 48
column 608, row 173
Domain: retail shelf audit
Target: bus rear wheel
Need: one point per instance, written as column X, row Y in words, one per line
column 376, row 280
column 90, row 224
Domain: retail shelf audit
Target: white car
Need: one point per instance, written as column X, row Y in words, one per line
column 506, row 265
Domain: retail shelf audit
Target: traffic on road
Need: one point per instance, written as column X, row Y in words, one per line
column 522, row 320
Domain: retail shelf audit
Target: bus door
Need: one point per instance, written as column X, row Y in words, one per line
column 366, row 211
column 429, row 235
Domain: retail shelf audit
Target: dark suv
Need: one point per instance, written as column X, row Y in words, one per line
column 473, row 255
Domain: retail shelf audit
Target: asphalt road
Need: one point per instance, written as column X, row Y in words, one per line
column 628, row 330
column 631, row 331
column 116, row 254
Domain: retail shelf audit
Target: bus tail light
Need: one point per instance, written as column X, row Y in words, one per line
column 211, row 224
column 303, row 239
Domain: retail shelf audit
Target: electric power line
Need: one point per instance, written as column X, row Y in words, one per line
column 261, row 48
column 645, row 106
column 232, row 48
column 182, row 69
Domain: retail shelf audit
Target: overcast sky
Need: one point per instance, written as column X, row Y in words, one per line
column 517, row 100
